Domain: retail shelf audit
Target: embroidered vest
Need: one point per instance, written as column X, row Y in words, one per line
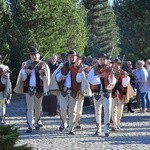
column 39, row 82
column 118, row 87
column 75, row 87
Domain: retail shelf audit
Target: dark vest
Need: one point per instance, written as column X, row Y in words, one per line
column 118, row 87
column 75, row 87
column 39, row 82
column 2, row 86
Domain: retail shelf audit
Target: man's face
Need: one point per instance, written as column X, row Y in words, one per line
column 53, row 59
column 78, row 61
column 72, row 58
column 116, row 66
column 35, row 57
column 102, row 61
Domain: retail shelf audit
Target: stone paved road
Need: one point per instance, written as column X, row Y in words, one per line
column 133, row 135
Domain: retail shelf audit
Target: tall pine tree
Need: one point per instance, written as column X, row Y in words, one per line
column 5, row 25
column 133, row 19
column 53, row 26
column 103, row 32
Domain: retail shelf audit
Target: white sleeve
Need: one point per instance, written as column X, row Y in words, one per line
column 3, row 79
column 112, row 80
column 93, row 79
column 79, row 77
column 23, row 75
column 58, row 76
column 125, row 81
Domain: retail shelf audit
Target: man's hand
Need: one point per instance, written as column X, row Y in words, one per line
column 63, row 77
column 42, row 72
column 28, row 71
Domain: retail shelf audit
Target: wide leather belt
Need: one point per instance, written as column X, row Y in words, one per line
column 32, row 89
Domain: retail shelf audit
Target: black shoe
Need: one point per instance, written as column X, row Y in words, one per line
column 71, row 133
column 97, row 133
column 131, row 111
column 61, row 128
column 107, row 134
column 113, row 129
column 29, row 130
column 78, row 126
column 40, row 125
column 37, row 127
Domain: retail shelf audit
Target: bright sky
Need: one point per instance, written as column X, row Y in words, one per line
column 111, row 2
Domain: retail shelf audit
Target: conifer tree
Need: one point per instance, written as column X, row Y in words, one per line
column 53, row 26
column 103, row 32
column 133, row 19
column 8, row 138
column 5, row 24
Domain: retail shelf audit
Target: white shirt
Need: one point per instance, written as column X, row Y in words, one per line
column 32, row 81
column 68, row 78
column 93, row 79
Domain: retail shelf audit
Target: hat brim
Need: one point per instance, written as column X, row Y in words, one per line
column 118, row 62
column 31, row 53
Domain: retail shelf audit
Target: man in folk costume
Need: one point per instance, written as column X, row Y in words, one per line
column 119, row 94
column 70, row 81
column 83, row 68
column 5, row 90
column 33, row 80
column 102, row 81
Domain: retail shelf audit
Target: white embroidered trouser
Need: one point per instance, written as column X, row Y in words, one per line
column 68, row 103
column 117, row 111
column 106, row 103
column 79, row 109
column 2, row 107
column 34, row 105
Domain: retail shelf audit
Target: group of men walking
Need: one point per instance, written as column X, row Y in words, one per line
column 71, row 80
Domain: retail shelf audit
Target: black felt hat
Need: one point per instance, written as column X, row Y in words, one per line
column 72, row 52
column 103, row 55
column 33, row 50
column 79, row 55
column 117, row 60
column 63, row 54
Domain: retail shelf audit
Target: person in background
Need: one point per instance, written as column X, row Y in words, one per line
column 53, row 99
column 128, row 68
column 33, row 80
column 63, row 58
column 53, row 63
column 141, row 75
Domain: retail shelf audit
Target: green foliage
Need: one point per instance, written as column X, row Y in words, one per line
column 133, row 18
column 4, row 26
column 54, row 26
column 8, row 138
column 103, row 32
